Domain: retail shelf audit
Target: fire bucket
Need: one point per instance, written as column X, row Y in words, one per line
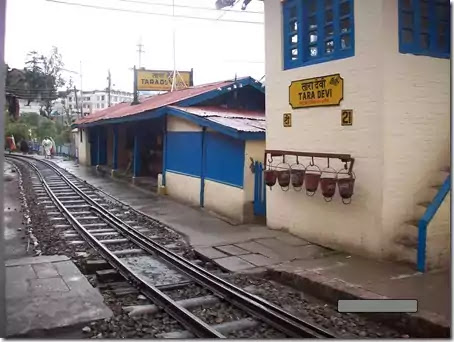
column 346, row 186
column 270, row 177
column 312, row 178
column 297, row 178
column 328, row 184
column 283, row 176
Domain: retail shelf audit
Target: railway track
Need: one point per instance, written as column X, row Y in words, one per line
column 81, row 213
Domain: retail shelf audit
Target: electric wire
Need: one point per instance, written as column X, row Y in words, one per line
column 152, row 13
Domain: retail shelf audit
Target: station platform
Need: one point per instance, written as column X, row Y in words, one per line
column 255, row 248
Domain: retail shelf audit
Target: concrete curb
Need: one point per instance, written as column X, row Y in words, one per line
column 422, row 324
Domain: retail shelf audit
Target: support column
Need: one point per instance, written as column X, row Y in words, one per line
column 98, row 142
column 202, row 169
column 115, row 150
column 164, row 152
column 136, row 168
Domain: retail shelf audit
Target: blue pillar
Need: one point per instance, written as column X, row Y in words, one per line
column 115, row 148
column 164, row 151
column 98, row 142
column 136, row 168
column 202, row 169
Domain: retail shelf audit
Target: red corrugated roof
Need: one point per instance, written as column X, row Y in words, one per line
column 125, row 109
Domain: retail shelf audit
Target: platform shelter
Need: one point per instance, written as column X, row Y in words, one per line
column 197, row 144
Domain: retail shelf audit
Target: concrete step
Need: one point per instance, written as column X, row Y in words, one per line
column 421, row 209
column 439, row 177
column 407, row 240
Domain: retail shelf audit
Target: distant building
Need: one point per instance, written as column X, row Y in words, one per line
column 95, row 100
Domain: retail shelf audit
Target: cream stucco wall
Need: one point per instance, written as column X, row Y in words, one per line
column 181, row 125
column 416, row 125
column 224, row 199
column 183, row 187
column 439, row 237
column 83, row 147
column 400, row 120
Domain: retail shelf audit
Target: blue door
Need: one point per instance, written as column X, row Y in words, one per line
column 259, row 190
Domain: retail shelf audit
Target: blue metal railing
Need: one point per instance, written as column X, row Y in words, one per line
column 425, row 220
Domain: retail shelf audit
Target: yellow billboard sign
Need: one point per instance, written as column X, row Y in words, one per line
column 318, row 91
column 161, row 80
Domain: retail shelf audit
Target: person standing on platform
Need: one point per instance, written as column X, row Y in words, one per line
column 47, row 147
column 24, row 146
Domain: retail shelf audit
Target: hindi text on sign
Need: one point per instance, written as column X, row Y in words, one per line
column 319, row 91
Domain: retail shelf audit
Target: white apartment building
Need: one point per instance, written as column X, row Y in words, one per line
column 95, row 100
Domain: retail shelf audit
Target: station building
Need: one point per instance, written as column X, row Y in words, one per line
column 369, row 80
column 197, row 144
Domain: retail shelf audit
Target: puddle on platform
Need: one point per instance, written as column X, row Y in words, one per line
column 153, row 271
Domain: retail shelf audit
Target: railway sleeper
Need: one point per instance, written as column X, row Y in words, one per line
column 105, row 242
column 136, row 310
column 223, row 328
column 60, row 218
column 91, row 266
column 108, row 275
column 131, row 251
column 94, row 234
column 95, row 225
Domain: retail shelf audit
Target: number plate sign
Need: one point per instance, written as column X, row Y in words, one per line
column 347, row 117
column 287, row 119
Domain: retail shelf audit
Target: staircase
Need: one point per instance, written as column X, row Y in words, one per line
column 438, row 229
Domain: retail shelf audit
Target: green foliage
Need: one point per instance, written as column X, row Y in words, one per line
column 18, row 129
column 34, row 126
column 39, row 81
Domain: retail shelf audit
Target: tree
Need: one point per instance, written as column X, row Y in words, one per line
column 44, row 77
column 39, row 81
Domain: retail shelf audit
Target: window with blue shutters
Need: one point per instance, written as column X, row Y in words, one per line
column 425, row 27
column 317, row 31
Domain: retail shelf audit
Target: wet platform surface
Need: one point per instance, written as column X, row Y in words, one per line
column 49, row 292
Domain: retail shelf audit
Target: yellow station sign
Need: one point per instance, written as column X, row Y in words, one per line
column 161, row 80
column 318, row 91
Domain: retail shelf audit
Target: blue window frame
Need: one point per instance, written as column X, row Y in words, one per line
column 317, row 31
column 425, row 27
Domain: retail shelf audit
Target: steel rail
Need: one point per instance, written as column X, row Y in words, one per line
column 257, row 306
column 182, row 315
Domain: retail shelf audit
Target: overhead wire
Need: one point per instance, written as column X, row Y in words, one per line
column 152, row 13
column 190, row 7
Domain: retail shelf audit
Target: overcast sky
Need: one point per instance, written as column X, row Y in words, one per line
column 104, row 39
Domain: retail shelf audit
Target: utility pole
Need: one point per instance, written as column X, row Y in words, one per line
column 140, row 51
column 109, row 85
column 81, row 93
column 77, row 102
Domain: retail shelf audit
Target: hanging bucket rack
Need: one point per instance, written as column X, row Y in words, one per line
column 311, row 176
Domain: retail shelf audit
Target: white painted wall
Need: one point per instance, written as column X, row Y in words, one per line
column 416, row 125
column 184, row 188
column 439, row 237
column 224, row 199
column 83, row 147
column 400, row 119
